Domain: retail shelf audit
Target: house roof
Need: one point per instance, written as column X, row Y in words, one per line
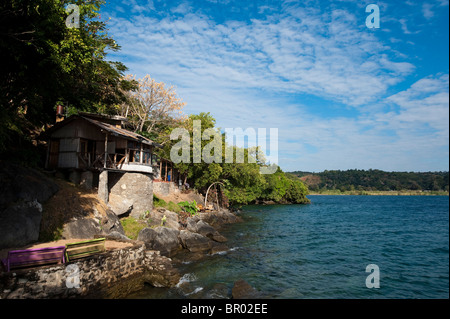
column 107, row 127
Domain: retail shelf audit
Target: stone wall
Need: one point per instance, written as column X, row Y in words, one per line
column 113, row 274
column 165, row 188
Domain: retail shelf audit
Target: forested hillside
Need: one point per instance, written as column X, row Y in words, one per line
column 374, row 180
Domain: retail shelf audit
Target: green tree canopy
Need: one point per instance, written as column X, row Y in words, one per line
column 46, row 63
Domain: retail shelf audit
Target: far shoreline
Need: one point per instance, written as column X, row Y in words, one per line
column 382, row 193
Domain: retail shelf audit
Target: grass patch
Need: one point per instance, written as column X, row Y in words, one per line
column 159, row 202
column 132, row 227
column 174, row 207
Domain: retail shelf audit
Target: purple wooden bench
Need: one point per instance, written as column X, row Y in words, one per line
column 34, row 257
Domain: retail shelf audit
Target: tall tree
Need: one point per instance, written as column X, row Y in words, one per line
column 152, row 107
column 46, row 61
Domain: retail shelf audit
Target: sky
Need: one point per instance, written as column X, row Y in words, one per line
column 341, row 95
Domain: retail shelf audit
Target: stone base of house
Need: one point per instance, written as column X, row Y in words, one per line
column 136, row 189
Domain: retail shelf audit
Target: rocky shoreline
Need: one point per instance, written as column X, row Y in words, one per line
column 33, row 202
column 122, row 271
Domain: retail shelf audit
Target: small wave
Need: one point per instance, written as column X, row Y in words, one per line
column 196, row 290
column 224, row 252
column 189, row 277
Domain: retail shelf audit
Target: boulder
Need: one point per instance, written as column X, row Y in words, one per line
column 218, row 248
column 20, row 224
column 243, row 290
column 115, row 235
column 194, row 242
column 196, row 225
column 135, row 187
column 89, row 227
column 20, row 183
column 81, row 228
column 219, row 218
column 161, row 238
column 119, row 205
column 147, row 235
column 23, row 191
column 156, row 216
column 111, row 223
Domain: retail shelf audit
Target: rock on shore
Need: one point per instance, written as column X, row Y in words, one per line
column 198, row 237
column 23, row 191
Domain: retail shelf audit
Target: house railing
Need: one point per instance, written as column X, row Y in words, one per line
column 115, row 161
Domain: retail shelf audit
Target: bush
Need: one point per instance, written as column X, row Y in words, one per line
column 190, row 208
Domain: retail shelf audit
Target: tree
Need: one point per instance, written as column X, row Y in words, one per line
column 44, row 63
column 243, row 181
column 152, row 107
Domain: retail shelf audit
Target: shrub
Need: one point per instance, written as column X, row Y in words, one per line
column 189, row 207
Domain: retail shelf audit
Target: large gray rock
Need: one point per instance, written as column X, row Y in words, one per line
column 111, row 223
column 156, row 218
column 161, row 238
column 20, row 224
column 119, row 205
column 89, row 227
column 195, row 242
column 20, row 183
column 81, row 228
column 219, row 218
column 243, row 290
column 22, row 191
column 196, row 225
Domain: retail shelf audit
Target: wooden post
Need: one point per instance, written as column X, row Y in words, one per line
column 106, row 149
column 165, row 173
column 141, row 155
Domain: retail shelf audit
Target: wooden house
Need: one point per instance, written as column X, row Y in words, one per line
column 98, row 142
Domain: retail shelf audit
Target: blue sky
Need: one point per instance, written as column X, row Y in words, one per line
column 341, row 95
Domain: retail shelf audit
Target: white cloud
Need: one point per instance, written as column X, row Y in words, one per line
column 302, row 52
column 244, row 73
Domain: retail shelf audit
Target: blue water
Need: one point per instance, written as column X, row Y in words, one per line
column 321, row 250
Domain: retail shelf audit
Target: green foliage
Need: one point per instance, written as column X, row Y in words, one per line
column 189, row 207
column 374, row 180
column 243, row 182
column 44, row 63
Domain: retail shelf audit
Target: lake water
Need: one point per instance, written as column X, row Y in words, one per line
column 322, row 250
